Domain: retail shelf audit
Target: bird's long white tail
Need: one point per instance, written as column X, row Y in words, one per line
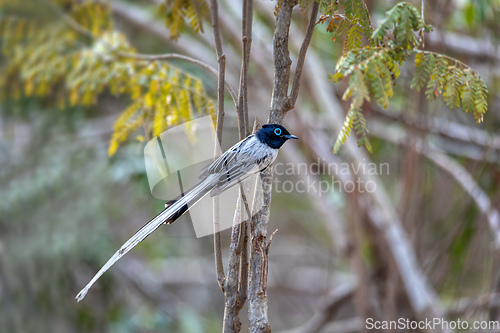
column 172, row 212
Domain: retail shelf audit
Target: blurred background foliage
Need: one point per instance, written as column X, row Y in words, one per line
column 66, row 205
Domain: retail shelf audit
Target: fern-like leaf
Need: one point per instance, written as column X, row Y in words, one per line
column 423, row 65
column 345, row 131
column 354, row 38
column 403, row 20
column 450, row 90
column 359, row 123
column 373, row 70
column 177, row 12
column 353, row 120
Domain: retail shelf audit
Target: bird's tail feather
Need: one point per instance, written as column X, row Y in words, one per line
column 173, row 211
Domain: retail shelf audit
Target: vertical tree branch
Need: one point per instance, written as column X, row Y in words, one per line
column 220, row 120
column 282, row 62
column 232, row 307
column 280, row 104
column 302, row 55
column 237, row 281
column 247, row 17
column 257, row 297
column 257, row 291
column 243, row 285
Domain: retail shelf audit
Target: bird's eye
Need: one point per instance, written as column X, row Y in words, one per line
column 277, row 131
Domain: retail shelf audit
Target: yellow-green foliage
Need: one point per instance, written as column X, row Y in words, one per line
column 373, row 66
column 177, row 12
column 73, row 66
column 460, row 86
column 163, row 97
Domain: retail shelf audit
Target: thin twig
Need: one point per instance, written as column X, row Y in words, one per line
column 243, row 285
column 243, row 240
column 270, row 241
column 232, row 321
column 264, row 252
column 422, row 10
column 243, row 245
column 246, row 37
column 247, row 16
column 245, row 201
column 214, row 9
column 219, row 267
column 302, row 55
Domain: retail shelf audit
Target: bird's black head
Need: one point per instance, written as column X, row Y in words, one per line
column 274, row 135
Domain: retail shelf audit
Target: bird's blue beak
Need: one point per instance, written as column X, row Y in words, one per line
column 289, row 136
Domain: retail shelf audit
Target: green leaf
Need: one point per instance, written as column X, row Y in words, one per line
column 450, row 89
column 177, row 12
column 404, row 20
column 344, row 132
column 354, row 119
column 354, row 37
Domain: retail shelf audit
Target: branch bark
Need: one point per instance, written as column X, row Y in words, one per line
column 281, row 103
column 237, row 282
column 217, row 149
column 257, row 289
column 247, row 17
column 302, row 55
column 233, row 304
column 282, row 63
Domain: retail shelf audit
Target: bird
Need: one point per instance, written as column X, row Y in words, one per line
column 253, row 154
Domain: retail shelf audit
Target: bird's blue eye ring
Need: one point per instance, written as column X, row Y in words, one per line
column 277, row 131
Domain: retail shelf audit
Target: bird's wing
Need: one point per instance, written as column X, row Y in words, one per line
column 243, row 167
column 227, row 159
column 242, row 160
